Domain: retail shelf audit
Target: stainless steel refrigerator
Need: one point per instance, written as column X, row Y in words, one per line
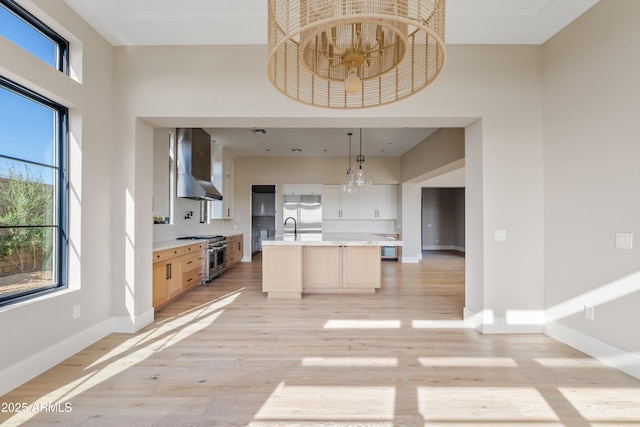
column 306, row 210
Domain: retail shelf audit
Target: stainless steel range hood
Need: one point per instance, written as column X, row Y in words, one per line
column 194, row 165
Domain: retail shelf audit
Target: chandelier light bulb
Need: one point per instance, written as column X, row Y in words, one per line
column 352, row 83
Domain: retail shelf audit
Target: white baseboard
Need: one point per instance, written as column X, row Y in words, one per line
column 443, row 248
column 131, row 325
column 410, row 259
column 622, row 360
column 23, row 371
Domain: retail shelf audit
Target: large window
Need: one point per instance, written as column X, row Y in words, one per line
column 28, row 32
column 33, row 178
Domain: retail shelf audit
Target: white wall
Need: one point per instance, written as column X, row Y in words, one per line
column 42, row 332
column 592, row 176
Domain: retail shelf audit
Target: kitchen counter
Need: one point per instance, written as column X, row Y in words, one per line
column 168, row 244
column 176, row 243
column 337, row 263
column 331, row 239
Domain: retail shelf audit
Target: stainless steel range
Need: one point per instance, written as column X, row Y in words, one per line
column 215, row 254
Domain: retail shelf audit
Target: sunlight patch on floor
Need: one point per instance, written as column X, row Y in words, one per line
column 570, row 363
column 328, row 403
column 439, row 324
column 605, row 404
column 363, row 324
column 464, row 406
column 468, row 362
column 329, row 362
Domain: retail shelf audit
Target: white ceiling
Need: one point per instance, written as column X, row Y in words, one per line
column 198, row 22
column 379, row 142
column 195, row 22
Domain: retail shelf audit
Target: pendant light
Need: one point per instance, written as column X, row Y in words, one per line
column 354, row 53
column 349, row 185
column 363, row 176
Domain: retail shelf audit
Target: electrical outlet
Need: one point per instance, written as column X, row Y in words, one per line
column 76, row 311
column 590, row 312
column 624, row 240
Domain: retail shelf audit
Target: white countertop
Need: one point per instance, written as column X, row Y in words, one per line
column 168, row 244
column 331, row 239
column 176, row 243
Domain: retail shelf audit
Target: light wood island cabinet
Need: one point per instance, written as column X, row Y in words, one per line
column 282, row 271
column 331, row 263
column 359, row 270
column 341, row 269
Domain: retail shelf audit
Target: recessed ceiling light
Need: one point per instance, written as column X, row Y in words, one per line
column 297, row 150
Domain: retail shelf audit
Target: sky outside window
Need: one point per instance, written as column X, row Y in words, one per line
column 24, row 35
column 27, row 130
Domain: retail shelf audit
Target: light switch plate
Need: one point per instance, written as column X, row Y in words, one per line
column 589, row 312
column 500, row 235
column 624, row 240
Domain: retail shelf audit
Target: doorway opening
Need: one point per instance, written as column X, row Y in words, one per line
column 263, row 215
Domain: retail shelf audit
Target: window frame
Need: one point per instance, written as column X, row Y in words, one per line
column 62, row 53
column 61, row 196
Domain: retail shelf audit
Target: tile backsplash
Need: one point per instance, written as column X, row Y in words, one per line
column 187, row 224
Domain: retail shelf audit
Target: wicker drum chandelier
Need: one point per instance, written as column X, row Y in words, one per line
column 354, row 53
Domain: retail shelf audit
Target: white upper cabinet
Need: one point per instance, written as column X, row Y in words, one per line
column 223, row 180
column 367, row 203
column 338, row 205
column 301, row 189
column 162, row 173
column 386, row 202
column 375, row 202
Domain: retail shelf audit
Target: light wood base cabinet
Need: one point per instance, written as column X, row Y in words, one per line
column 175, row 271
column 167, row 280
column 193, row 269
column 235, row 248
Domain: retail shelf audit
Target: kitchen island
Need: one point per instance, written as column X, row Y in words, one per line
column 322, row 263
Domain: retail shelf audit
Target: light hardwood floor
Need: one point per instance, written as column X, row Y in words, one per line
column 225, row 355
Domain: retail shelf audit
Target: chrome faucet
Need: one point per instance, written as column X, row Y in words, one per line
column 295, row 225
